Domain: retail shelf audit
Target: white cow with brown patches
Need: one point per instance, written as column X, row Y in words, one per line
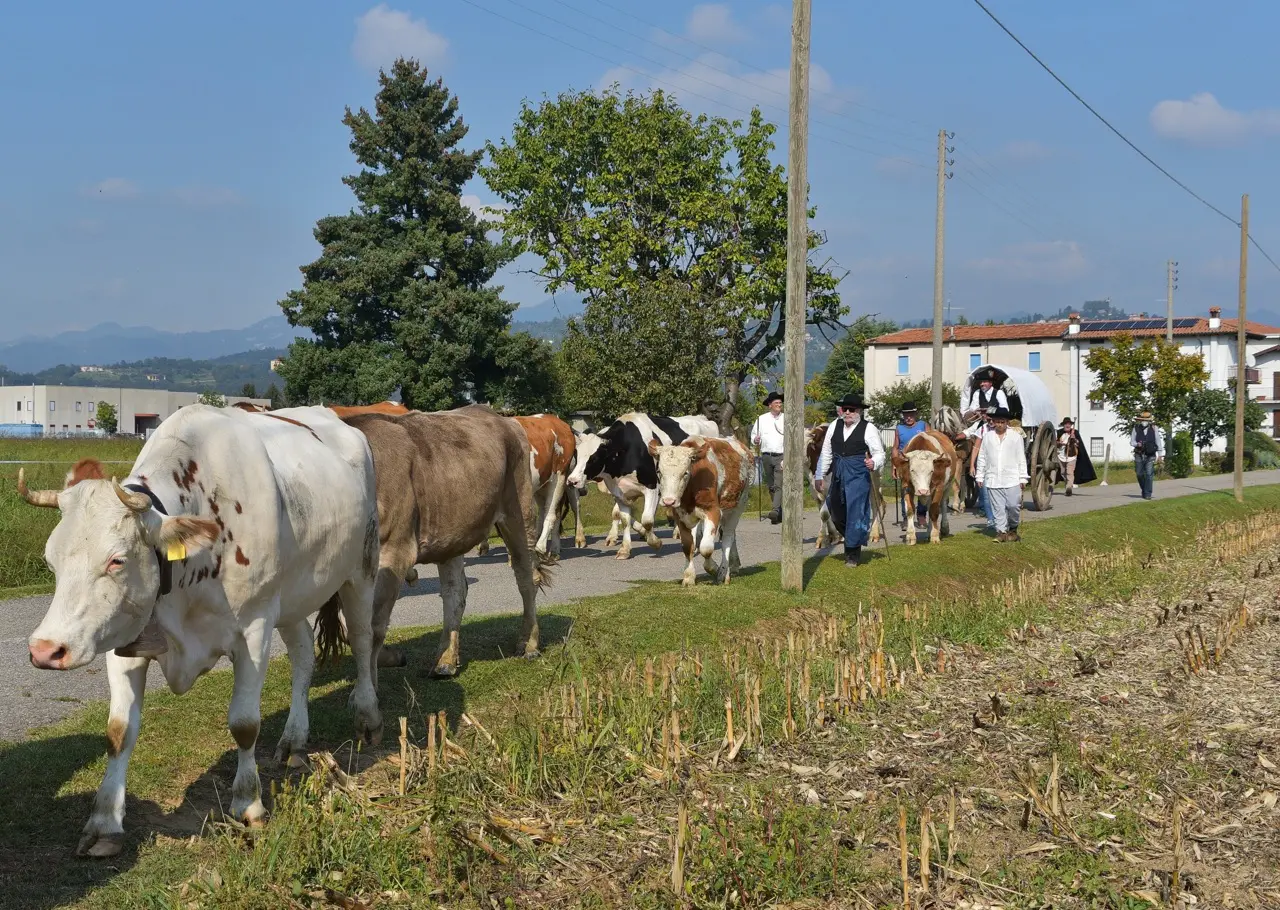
column 232, row 523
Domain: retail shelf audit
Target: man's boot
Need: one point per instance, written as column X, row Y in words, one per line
column 851, row 555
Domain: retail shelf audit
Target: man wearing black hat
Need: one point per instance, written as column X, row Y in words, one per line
column 1073, row 460
column 766, row 435
column 854, row 449
column 985, row 396
column 1002, row 472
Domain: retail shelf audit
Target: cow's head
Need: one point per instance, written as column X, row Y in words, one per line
column 675, row 467
column 103, row 554
column 587, row 446
column 920, row 470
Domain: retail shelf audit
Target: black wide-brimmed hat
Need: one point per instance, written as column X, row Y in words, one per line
column 987, row 375
column 1066, row 421
column 851, row 401
column 909, row 407
column 771, row 398
column 998, row 413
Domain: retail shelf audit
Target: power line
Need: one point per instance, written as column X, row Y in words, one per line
column 1016, row 217
column 673, row 86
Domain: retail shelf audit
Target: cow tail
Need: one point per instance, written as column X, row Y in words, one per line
column 330, row 630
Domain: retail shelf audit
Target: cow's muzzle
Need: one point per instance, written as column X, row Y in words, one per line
column 48, row 655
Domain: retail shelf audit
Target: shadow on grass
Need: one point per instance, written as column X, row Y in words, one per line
column 46, row 785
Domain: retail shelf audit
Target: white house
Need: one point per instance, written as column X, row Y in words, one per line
column 55, row 410
column 1056, row 350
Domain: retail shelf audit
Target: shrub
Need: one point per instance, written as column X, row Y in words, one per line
column 1181, row 456
column 1260, row 452
column 1213, row 462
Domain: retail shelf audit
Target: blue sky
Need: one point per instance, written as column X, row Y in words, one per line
column 166, row 164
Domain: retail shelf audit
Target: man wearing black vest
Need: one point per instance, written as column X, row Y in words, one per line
column 1148, row 451
column 854, row 449
column 985, row 396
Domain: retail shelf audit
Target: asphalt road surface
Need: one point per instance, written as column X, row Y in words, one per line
column 34, row 697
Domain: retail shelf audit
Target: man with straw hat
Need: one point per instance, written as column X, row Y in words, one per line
column 1148, row 451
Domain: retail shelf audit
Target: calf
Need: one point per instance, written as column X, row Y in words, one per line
column 231, row 524
column 705, row 480
column 444, row 479
column 620, row 457
column 926, row 467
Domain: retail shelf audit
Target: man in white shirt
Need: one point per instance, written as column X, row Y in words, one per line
column 1002, row 472
column 766, row 436
column 976, row 433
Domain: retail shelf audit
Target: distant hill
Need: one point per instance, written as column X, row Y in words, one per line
column 227, row 375
column 549, row 309
column 111, row 342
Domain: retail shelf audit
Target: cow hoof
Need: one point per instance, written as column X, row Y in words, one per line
column 580, row 543
column 445, row 671
column 623, row 554
column 372, row 736
column 392, row 657
column 100, row 846
column 298, row 762
column 411, row 577
column 687, row 582
column 532, row 654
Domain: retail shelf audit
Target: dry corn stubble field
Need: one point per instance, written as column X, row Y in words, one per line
column 1118, row 750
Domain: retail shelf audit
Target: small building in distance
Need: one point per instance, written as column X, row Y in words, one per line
column 58, row 410
column 1056, row 350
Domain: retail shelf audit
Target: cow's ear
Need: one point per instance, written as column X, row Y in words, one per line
column 653, row 447
column 182, row 536
column 701, row 450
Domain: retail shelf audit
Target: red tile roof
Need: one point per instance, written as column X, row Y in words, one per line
column 1033, row 331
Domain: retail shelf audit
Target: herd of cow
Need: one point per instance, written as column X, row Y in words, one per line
column 236, row 522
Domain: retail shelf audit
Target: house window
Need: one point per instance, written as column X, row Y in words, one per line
column 904, row 364
column 78, row 407
column 1095, row 405
column 19, row 405
column 53, row 406
column 975, row 361
column 93, row 407
column 1097, row 449
column 1033, row 361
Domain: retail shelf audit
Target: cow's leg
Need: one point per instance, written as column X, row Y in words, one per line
column 624, row 516
column 551, row 493
column 127, row 679
column 453, row 592
column 522, row 564
column 575, row 504
column 911, row 518
column 249, row 658
column 711, row 533
column 649, row 513
column 690, row 576
column 615, row 525
column 937, row 508
column 357, row 607
column 386, row 590
column 729, row 544
column 298, row 641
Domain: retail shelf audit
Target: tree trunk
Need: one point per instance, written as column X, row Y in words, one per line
column 729, row 406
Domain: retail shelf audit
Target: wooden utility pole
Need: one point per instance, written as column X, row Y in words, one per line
column 1242, row 358
column 794, row 462
column 935, row 397
column 1171, row 279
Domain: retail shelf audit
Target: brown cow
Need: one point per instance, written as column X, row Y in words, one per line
column 382, row 407
column 443, row 479
column 705, row 482
column 552, row 450
column 926, row 467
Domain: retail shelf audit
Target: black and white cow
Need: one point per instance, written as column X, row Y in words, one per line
column 620, row 458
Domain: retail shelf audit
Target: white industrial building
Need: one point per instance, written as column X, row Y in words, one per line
column 1056, row 350
column 58, row 410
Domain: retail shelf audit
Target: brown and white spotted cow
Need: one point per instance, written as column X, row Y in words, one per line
column 445, row 478
column 926, row 468
column 828, row 534
column 706, row 483
column 552, row 452
column 382, row 407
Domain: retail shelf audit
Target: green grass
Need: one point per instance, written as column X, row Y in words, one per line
column 184, row 759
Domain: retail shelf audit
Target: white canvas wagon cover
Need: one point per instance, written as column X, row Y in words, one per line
column 1033, row 406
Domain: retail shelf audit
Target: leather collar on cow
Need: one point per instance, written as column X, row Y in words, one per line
column 166, row 567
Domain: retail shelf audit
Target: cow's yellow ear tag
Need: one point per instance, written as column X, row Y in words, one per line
column 177, row 550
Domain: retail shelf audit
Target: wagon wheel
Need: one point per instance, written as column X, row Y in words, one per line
column 1041, row 465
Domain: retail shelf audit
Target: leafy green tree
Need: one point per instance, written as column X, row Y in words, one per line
column 1181, row 460
column 615, row 192
column 885, row 409
column 276, row 398
column 1154, row 376
column 213, row 398
column 613, row 361
column 249, row 390
column 846, row 369
column 1210, row 414
column 399, row 298
column 106, row 418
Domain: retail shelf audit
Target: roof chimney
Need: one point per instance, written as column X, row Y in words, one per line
column 1073, row 323
column 1215, row 317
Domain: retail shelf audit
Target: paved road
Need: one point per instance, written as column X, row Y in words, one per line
column 36, row 697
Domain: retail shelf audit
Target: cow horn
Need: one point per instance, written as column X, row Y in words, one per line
column 138, row 502
column 45, row 499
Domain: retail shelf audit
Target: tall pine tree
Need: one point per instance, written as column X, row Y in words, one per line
column 398, row 298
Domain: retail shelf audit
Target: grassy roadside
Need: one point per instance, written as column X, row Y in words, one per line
column 183, row 763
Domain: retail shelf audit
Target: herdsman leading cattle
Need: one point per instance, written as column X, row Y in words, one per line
column 767, row 435
column 231, row 524
column 854, row 445
column 443, row 480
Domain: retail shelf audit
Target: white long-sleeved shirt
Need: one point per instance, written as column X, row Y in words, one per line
column 767, row 433
column 999, row 398
column 1133, row 440
column 1002, row 463
column 875, row 448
